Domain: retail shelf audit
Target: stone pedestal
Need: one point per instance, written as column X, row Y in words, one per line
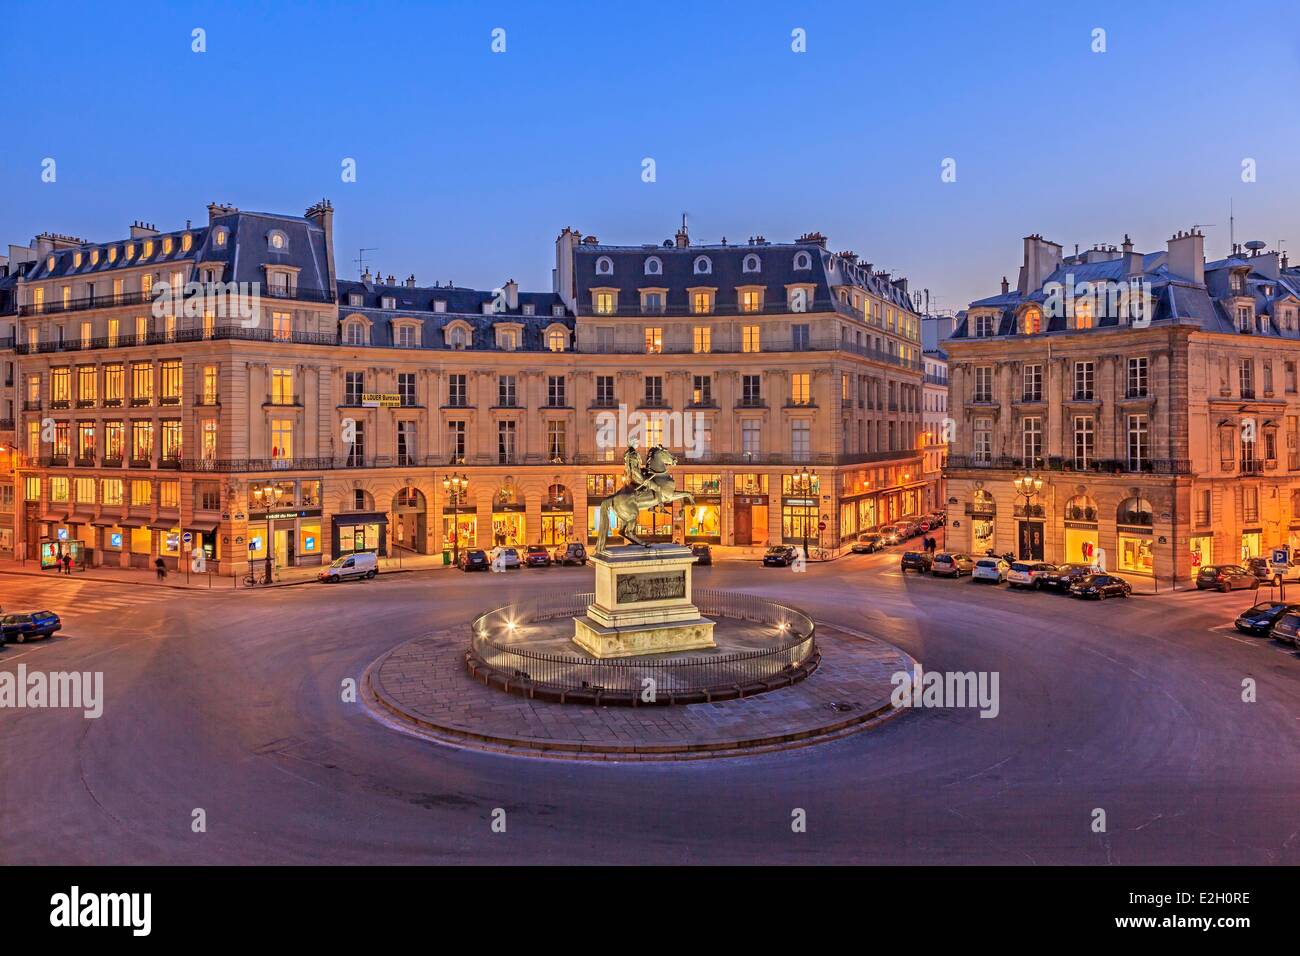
column 643, row 604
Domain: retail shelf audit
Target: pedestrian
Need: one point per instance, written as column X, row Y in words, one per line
column 67, row 563
column 161, row 568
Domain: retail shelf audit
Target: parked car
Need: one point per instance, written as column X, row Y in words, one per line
column 915, row 561
column 475, row 559
column 1062, row 576
column 506, row 558
column 1225, row 577
column 1262, row 569
column 780, row 556
column 1259, row 620
column 990, row 569
column 868, row 542
column 951, row 564
column 28, row 626
column 940, row 519
column 1028, row 574
column 362, row 564
column 575, row 552
column 536, row 556
column 1287, row 628
column 703, row 553
column 1100, row 586
column 908, row 528
column 891, row 534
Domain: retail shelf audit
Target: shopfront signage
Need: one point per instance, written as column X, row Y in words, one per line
column 288, row 515
column 381, row 400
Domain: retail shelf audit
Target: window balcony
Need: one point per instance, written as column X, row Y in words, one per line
column 170, row 400
column 60, row 403
column 207, row 401
column 112, row 403
column 112, row 460
column 31, row 406
column 141, row 401
column 86, row 403
column 137, row 462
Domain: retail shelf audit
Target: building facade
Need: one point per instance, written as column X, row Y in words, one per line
column 277, row 413
column 937, row 427
column 1154, row 432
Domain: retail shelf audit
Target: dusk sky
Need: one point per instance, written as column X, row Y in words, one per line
column 469, row 162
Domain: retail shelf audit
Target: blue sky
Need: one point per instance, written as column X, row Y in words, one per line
column 470, row 162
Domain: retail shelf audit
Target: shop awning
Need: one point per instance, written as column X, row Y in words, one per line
column 79, row 519
column 164, row 525
column 203, row 527
column 106, row 521
column 131, row 523
column 55, row 518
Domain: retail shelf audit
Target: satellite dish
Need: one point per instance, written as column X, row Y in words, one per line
column 1256, row 244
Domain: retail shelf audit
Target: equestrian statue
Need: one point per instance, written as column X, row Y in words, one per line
column 647, row 485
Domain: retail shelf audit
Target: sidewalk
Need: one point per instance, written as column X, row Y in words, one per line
column 283, row 577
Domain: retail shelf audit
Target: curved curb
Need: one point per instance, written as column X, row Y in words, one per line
column 391, row 713
column 498, row 679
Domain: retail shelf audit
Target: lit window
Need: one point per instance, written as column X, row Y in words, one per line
column 148, row 249
column 654, row 340
column 749, row 339
column 1032, row 323
column 604, row 303
column 556, row 340
column 167, row 246
column 186, row 242
column 799, row 388
column 751, row 300
column 701, row 302
column 703, row 339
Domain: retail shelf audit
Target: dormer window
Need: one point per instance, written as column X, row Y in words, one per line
column 984, row 326
column 528, row 308
column 557, row 338
column 703, row 266
column 406, row 335
column 167, row 246
column 76, row 260
column 388, row 302
column 277, row 240
column 604, row 301
column 219, row 236
column 802, row 260
column 148, row 249
column 557, row 311
column 112, row 253
column 654, row 266
column 604, row 266
column 508, row 338
column 355, row 299
column 187, row 241
column 94, row 257
column 1031, row 323
column 752, row 264
column 49, row 264
column 355, row 332
column 440, row 305
column 458, row 335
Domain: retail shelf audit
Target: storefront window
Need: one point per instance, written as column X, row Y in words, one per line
column 1136, row 554
column 170, row 542
column 848, row 519
column 257, row 541
column 557, row 527
column 703, row 521
column 1202, row 548
column 866, row 513
column 798, row 521
column 1081, row 545
column 141, row 541
column 309, row 537
column 702, row 484
column 982, row 531
column 507, row 528
column 309, row 492
column 358, row 537
column 466, row 530
column 743, row 484
column 1252, row 544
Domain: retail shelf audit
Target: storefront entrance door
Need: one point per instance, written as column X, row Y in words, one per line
column 1031, row 540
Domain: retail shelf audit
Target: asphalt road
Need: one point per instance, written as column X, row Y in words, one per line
column 231, row 703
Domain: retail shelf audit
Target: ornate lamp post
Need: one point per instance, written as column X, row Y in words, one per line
column 804, row 479
column 1027, row 486
column 455, row 485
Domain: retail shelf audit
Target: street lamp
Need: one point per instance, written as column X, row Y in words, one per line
column 455, row 485
column 1027, row 486
column 804, row 479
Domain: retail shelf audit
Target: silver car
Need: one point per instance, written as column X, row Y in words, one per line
column 990, row 569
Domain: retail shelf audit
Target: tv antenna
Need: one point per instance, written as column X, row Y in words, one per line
column 360, row 260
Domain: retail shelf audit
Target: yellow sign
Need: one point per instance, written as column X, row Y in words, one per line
column 381, row 400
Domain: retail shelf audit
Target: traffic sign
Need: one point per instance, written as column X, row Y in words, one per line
column 1282, row 555
column 821, row 525
column 187, row 537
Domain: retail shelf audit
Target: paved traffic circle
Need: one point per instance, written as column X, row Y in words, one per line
column 422, row 687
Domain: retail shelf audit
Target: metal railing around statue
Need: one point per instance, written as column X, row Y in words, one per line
column 498, row 639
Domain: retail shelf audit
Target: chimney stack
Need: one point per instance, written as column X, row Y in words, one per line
column 1006, row 286
column 322, row 214
column 511, row 290
column 1187, row 255
column 1042, row 257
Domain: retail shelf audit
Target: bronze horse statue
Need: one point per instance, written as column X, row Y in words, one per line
column 656, row 487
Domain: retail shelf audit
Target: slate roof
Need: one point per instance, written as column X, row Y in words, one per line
column 463, row 305
column 246, row 251
column 776, row 271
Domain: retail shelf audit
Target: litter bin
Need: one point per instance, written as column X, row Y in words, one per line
column 446, row 557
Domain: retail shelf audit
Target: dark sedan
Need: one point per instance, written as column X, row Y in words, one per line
column 915, row 561
column 20, row 628
column 703, row 553
column 1063, row 575
column 1225, row 577
column 537, row 557
column 1100, row 586
column 780, row 556
column 1287, row 628
column 474, row 560
column 1259, row 620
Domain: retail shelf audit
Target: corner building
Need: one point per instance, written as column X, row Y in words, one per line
column 328, row 422
column 1160, row 445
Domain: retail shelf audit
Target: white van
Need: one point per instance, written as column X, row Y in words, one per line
column 363, row 564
